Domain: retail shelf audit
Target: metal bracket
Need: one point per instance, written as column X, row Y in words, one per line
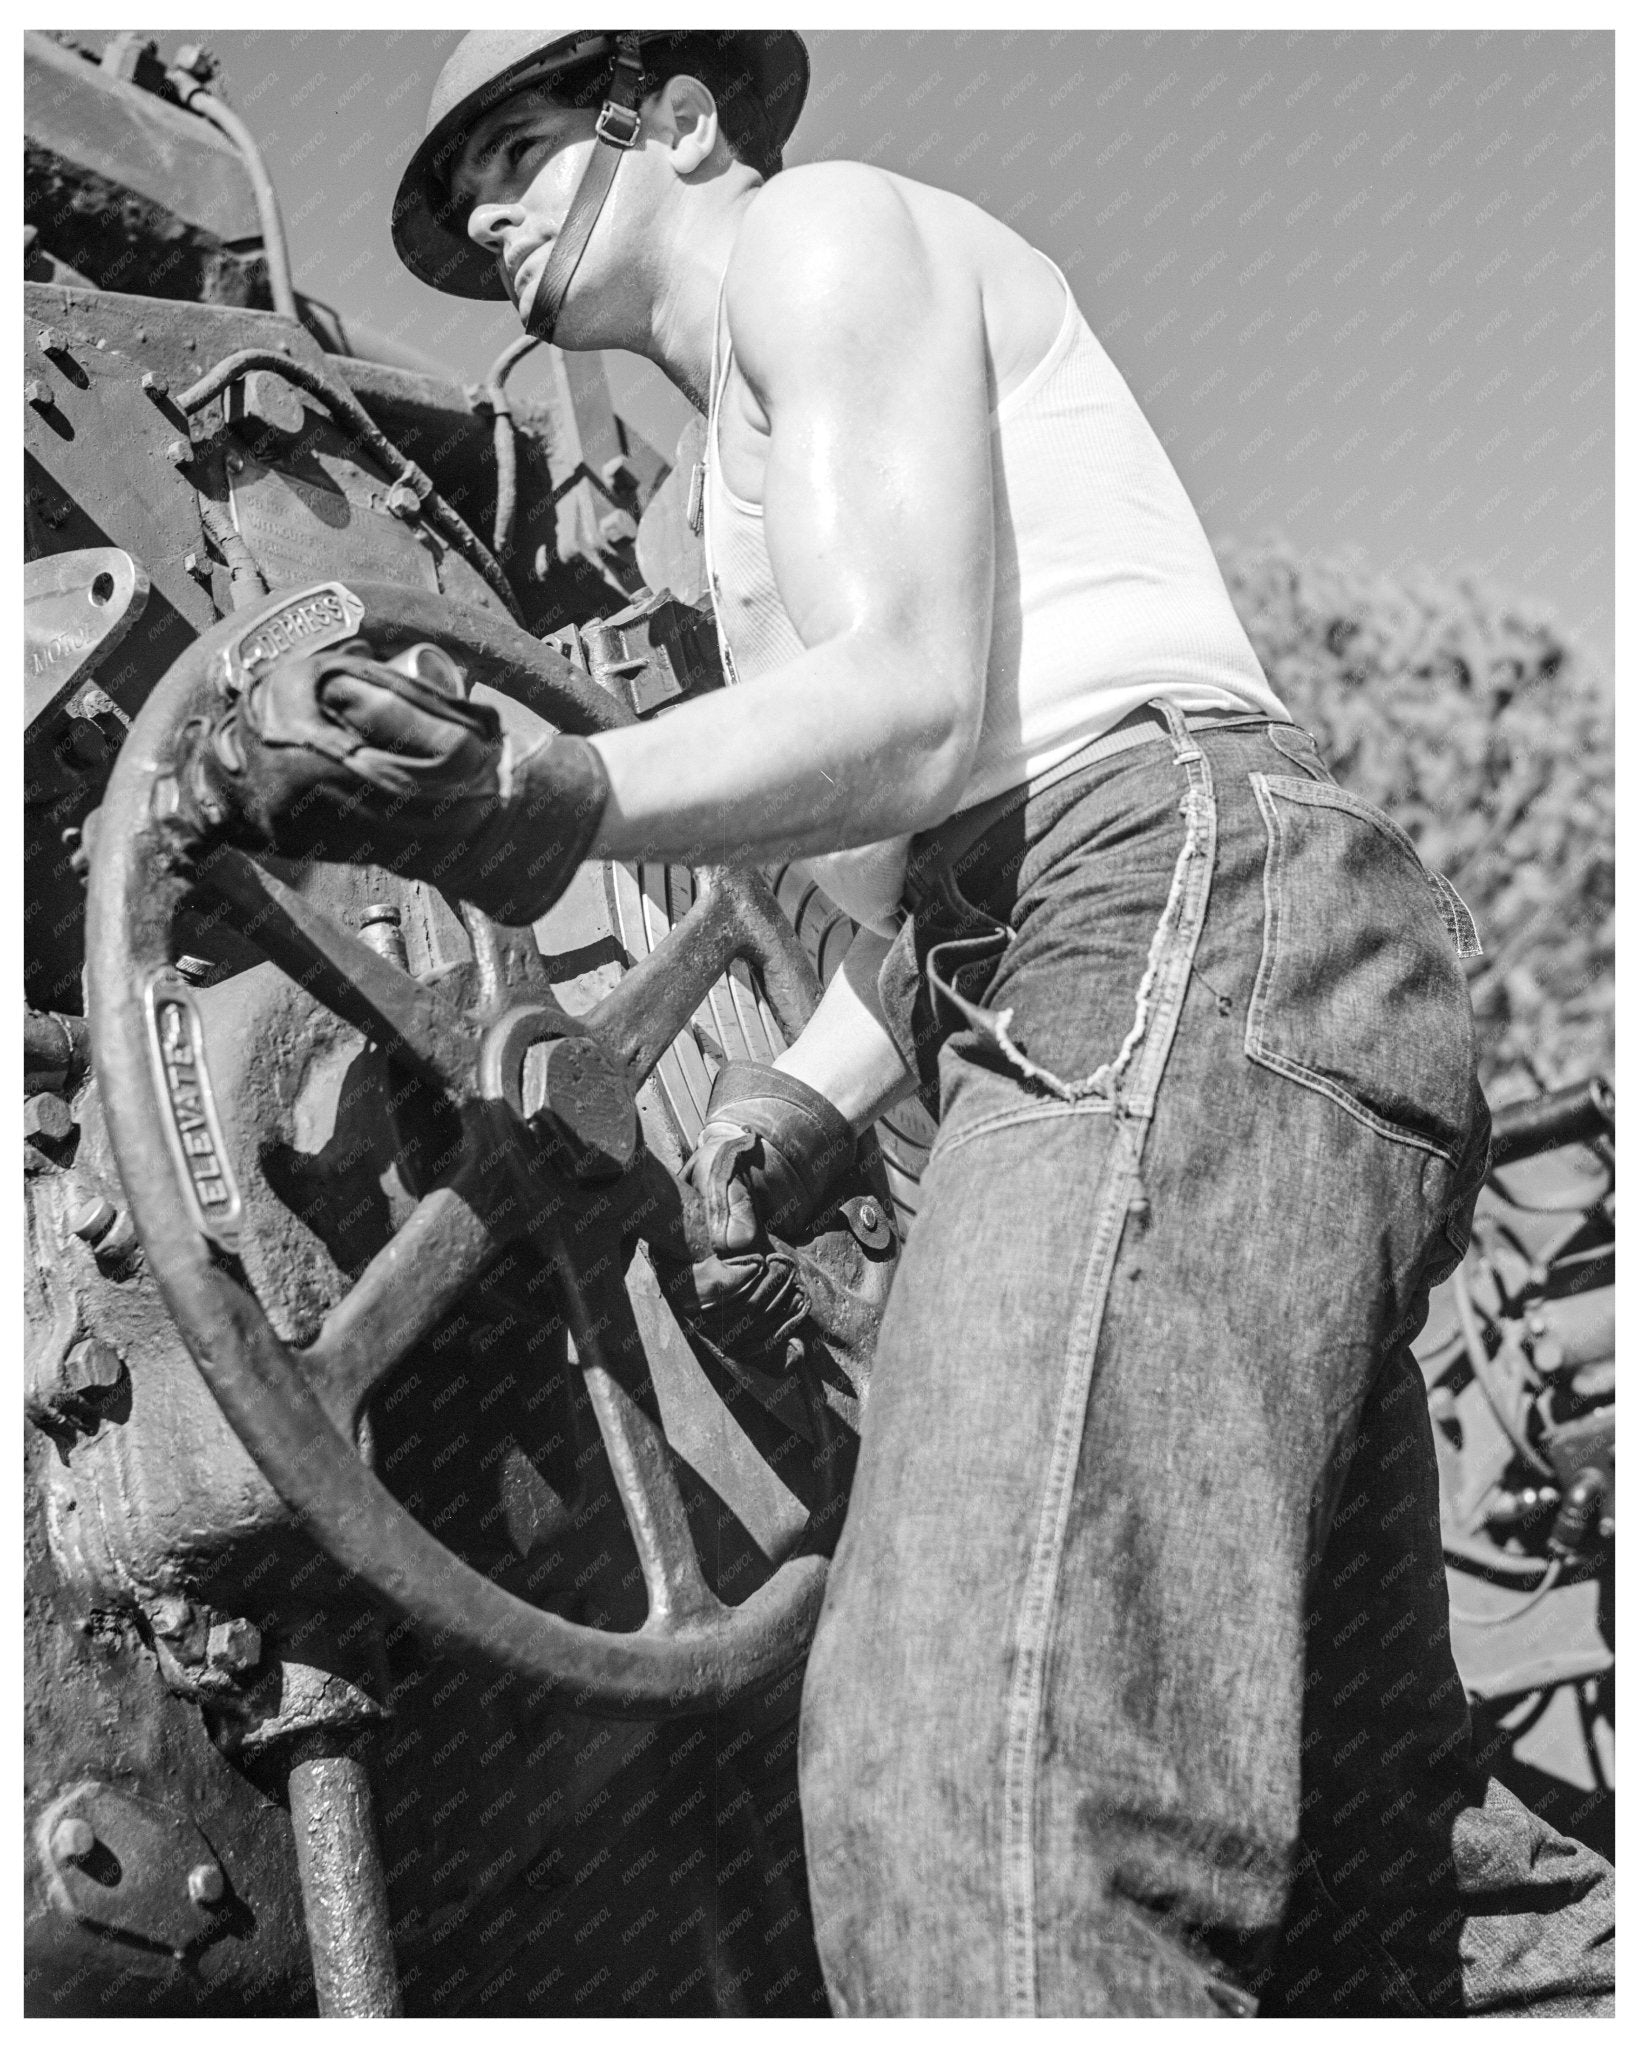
column 129, row 1869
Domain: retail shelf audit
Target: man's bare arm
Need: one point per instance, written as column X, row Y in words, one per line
column 869, row 364
column 845, row 1052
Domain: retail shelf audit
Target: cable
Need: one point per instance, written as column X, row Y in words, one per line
column 1550, row 1579
column 506, row 439
column 352, row 416
column 1480, row 1361
column 274, row 246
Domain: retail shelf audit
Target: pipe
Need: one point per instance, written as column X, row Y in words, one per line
column 1567, row 1116
column 246, row 583
column 274, row 246
column 344, row 1894
column 506, row 439
column 348, row 413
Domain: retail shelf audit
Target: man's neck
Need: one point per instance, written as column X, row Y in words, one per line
column 695, row 256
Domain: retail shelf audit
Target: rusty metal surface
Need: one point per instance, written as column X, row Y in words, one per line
column 344, row 1895
column 98, row 1711
column 679, row 1658
column 132, row 1868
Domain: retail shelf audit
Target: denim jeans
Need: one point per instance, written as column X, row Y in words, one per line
column 1133, row 1689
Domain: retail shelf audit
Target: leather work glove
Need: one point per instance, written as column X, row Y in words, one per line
column 336, row 756
column 750, row 1307
column 770, row 1150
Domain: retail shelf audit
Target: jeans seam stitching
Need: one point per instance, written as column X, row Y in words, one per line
column 1305, row 1077
column 1033, row 1630
column 1265, row 788
column 1036, row 1112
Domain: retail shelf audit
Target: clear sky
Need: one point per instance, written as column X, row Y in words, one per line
column 1362, row 283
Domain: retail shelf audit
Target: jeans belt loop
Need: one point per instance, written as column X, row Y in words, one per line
column 943, row 845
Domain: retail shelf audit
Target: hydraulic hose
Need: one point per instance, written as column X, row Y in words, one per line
column 506, row 440
column 350, row 415
column 274, row 246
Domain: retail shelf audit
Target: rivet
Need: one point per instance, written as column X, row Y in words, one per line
column 117, row 1242
column 93, row 1220
column 206, row 1885
column 72, row 1839
column 47, row 1116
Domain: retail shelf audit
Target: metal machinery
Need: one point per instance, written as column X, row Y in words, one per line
column 1519, row 1356
column 414, row 1613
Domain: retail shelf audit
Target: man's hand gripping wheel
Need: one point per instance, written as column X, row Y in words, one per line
column 339, row 756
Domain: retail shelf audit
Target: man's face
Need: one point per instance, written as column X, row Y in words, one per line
column 516, row 175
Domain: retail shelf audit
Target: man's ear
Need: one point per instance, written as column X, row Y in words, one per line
column 685, row 119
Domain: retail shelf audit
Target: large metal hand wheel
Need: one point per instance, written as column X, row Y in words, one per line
column 552, row 1158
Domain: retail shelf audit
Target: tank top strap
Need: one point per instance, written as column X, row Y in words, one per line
column 710, row 477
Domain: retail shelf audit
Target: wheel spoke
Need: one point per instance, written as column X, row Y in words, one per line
column 408, row 1287
column 336, row 966
column 733, row 917
column 610, row 1350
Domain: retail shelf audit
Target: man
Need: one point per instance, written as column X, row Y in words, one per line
column 1133, row 1691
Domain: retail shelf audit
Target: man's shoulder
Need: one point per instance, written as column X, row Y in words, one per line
column 822, row 241
column 813, row 214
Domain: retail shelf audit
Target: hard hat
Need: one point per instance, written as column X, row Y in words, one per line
column 487, row 67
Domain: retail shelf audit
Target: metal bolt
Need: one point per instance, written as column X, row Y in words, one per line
column 39, row 395
column 93, row 1220
column 51, row 342
column 234, row 1645
column 119, row 1241
column 179, row 452
column 155, row 385
column 170, row 1616
column 197, row 61
column 91, row 1364
column 869, row 1215
column 192, row 968
column 236, row 464
column 381, row 929
column 72, row 1840
column 206, row 1885
column 402, row 502
column 196, row 565
column 271, row 402
column 48, row 1117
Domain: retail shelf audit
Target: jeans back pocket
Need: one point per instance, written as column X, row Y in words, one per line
column 1359, row 994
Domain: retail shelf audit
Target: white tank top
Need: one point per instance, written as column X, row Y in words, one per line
column 1107, row 592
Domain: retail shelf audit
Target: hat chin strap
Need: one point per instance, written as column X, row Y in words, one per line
column 617, row 133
